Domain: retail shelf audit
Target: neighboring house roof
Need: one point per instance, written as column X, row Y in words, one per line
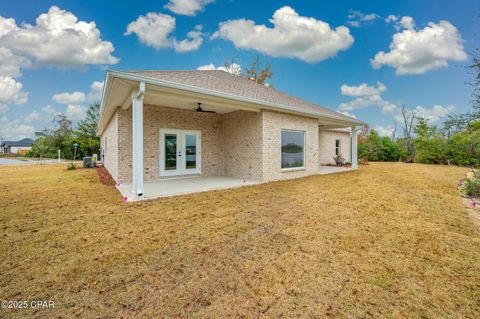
column 224, row 82
column 22, row 143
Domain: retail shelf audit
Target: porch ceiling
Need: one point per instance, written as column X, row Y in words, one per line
column 151, row 97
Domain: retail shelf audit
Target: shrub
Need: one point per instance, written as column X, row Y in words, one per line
column 339, row 160
column 472, row 187
column 71, row 166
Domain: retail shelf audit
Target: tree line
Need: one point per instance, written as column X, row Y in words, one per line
column 73, row 142
column 455, row 141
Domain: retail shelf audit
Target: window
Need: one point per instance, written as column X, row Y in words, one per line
column 293, row 155
column 337, row 147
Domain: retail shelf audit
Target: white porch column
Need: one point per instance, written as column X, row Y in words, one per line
column 137, row 140
column 354, row 150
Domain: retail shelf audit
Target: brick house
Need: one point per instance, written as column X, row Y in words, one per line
column 157, row 125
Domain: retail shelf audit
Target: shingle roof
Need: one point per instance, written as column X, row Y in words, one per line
column 24, row 142
column 227, row 83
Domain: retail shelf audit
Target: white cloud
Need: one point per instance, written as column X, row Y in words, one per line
column 233, row 68
column 69, row 98
column 187, row 7
column 76, row 112
column 362, row 89
column 384, row 130
column 357, row 18
column 96, row 90
column 435, row 113
column 11, row 64
column 4, row 108
column 49, row 109
column 32, row 117
column 15, row 129
column 155, row 29
column 418, row 51
column 391, row 18
column 193, row 42
column 366, row 96
column 406, row 23
column 292, row 36
column 56, row 38
column 400, row 23
column 11, row 92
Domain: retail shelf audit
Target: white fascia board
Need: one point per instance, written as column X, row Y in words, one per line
column 274, row 106
column 107, row 83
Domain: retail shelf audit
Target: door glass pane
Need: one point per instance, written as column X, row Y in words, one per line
column 170, row 152
column 191, row 151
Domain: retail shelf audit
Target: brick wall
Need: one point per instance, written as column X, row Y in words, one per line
column 240, row 144
column 273, row 123
column 156, row 117
column 327, row 145
column 242, row 131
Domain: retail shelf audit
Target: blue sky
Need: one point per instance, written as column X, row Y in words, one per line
column 322, row 51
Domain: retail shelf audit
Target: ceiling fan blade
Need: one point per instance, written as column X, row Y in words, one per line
column 199, row 109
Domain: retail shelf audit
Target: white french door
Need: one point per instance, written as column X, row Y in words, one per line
column 180, row 152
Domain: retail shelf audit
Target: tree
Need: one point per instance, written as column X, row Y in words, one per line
column 463, row 148
column 408, row 121
column 87, row 132
column 461, row 122
column 430, row 144
column 63, row 137
column 257, row 71
column 232, row 67
column 376, row 148
column 369, row 147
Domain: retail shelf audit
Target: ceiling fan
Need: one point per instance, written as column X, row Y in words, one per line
column 199, row 109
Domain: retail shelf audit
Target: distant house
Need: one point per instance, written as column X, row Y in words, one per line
column 15, row 147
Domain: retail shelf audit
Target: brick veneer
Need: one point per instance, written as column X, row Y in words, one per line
column 273, row 123
column 242, row 133
column 327, row 145
column 240, row 144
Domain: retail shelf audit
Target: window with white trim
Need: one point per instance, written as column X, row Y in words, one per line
column 293, row 149
column 338, row 145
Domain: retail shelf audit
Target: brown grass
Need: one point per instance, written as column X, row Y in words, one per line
column 388, row 240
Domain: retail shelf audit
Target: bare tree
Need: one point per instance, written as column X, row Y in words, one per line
column 409, row 117
column 394, row 132
column 257, row 71
column 232, row 67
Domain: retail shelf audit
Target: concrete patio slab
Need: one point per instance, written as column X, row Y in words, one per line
column 183, row 185
column 324, row 170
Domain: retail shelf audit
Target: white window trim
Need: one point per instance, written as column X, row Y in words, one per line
column 291, row 169
column 339, row 147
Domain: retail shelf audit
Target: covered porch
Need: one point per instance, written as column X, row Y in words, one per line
column 175, row 139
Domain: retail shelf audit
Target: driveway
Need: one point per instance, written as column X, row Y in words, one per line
column 24, row 161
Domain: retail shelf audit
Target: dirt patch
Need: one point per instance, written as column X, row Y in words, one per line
column 387, row 240
column 105, row 177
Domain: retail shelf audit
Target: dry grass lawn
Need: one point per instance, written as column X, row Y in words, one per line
column 388, row 240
